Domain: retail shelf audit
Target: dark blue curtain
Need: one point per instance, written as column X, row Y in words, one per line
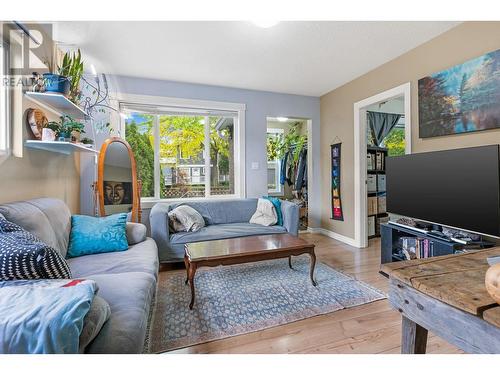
column 381, row 124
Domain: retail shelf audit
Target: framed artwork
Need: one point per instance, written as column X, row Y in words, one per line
column 117, row 192
column 461, row 99
column 337, row 213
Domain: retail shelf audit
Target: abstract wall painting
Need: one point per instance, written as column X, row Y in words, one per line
column 337, row 213
column 461, row 99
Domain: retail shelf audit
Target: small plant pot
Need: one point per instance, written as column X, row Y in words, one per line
column 64, row 137
column 56, row 83
column 75, row 136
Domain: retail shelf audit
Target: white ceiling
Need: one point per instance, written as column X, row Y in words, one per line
column 307, row 58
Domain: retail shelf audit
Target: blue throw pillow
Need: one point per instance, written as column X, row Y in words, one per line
column 277, row 205
column 94, row 235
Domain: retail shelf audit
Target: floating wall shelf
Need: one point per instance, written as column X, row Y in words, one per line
column 58, row 103
column 60, row 147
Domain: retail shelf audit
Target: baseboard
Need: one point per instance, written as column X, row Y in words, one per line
column 347, row 240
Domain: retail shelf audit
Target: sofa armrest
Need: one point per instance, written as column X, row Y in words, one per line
column 136, row 232
column 158, row 220
column 290, row 213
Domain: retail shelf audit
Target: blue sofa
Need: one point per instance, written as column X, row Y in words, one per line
column 127, row 279
column 228, row 218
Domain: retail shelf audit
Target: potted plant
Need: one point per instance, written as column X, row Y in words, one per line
column 66, row 80
column 67, row 129
column 72, row 67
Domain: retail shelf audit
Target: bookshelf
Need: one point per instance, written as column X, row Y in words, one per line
column 394, row 237
column 376, row 186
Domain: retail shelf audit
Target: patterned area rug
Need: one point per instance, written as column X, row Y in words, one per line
column 234, row 300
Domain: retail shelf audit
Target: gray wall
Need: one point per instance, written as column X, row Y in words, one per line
column 259, row 106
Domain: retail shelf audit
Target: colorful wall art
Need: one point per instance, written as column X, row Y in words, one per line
column 337, row 213
column 461, row 99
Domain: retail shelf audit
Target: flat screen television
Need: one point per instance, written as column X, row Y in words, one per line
column 455, row 188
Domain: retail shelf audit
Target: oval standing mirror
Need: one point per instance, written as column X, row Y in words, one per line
column 117, row 180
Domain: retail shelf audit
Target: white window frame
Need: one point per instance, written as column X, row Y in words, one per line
column 279, row 187
column 5, row 142
column 186, row 105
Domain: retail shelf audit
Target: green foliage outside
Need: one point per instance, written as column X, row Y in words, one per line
column 144, row 156
column 278, row 145
column 395, row 142
column 181, row 136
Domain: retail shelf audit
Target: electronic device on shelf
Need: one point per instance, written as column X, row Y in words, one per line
column 439, row 235
column 408, row 227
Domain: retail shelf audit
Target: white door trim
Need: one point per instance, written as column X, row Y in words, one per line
column 360, row 204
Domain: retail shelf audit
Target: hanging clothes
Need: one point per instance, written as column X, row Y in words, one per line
column 283, row 168
column 301, row 174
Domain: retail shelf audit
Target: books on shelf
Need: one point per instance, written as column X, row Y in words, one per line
column 416, row 247
column 371, row 226
column 371, row 183
column 381, row 204
column 372, row 205
column 375, row 161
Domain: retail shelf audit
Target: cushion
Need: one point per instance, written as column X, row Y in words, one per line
column 220, row 211
column 277, row 205
column 190, row 220
column 142, row 257
column 94, row 320
column 222, row 231
column 136, row 232
column 48, row 219
column 94, row 235
column 265, row 213
column 129, row 296
column 23, row 256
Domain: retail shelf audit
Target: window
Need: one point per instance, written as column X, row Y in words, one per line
column 4, row 103
column 273, row 163
column 187, row 154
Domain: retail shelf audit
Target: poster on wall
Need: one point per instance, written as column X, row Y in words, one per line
column 337, row 213
column 461, row 99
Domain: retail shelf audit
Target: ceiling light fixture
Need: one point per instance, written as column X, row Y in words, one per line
column 265, row 23
column 282, row 119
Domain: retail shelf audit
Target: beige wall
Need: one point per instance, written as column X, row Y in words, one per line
column 466, row 41
column 38, row 173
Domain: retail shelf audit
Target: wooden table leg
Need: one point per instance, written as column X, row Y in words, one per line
column 186, row 264
column 191, row 273
column 290, row 262
column 413, row 337
column 313, row 264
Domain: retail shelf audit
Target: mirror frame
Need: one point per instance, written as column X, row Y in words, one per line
column 136, row 193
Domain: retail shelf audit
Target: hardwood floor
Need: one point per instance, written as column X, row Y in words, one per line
column 370, row 328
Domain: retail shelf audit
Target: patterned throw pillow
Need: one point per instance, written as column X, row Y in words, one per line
column 25, row 257
column 185, row 219
column 94, row 235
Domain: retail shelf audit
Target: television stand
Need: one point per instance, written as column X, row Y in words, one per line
column 390, row 246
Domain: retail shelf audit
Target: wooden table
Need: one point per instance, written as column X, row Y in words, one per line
column 447, row 296
column 244, row 250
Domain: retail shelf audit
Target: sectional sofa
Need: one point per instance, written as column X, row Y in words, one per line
column 127, row 280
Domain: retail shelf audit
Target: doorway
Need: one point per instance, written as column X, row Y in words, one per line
column 384, row 139
column 288, row 162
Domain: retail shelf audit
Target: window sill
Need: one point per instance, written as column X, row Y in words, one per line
column 148, row 203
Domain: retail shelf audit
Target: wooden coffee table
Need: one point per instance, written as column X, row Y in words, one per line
column 244, row 250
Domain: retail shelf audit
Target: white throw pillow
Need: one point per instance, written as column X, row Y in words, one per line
column 265, row 214
column 186, row 219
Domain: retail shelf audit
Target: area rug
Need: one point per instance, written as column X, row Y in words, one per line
column 245, row 298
